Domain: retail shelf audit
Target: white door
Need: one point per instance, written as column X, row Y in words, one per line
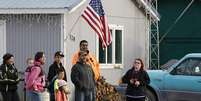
column 2, row 39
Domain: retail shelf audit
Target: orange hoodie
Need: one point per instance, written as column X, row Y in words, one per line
column 91, row 61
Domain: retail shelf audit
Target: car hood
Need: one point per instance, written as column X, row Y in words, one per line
column 156, row 73
column 157, row 78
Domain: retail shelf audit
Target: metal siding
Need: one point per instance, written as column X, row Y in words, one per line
column 27, row 34
column 16, row 4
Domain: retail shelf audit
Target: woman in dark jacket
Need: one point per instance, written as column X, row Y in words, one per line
column 137, row 79
column 9, row 79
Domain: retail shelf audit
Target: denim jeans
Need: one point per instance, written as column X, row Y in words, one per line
column 10, row 96
column 94, row 94
column 83, row 95
column 34, row 96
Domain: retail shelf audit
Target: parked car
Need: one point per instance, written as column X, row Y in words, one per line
column 181, row 82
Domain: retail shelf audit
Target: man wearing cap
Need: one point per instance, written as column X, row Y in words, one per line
column 54, row 68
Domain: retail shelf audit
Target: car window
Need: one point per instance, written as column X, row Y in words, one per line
column 196, row 70
column 191, row 66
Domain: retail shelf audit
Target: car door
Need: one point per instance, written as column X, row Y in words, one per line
column 183, row 83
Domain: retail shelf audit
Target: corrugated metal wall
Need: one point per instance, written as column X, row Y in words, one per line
column 27, row 34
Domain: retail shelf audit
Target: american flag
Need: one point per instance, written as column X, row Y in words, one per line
column 95, row 17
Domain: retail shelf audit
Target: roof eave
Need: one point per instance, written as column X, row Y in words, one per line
column 33, row 10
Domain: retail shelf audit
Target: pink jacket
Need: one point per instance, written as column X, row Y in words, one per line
column 36, row 79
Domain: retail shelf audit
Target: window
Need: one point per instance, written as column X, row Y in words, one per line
column 113, row 54
column 189, row 66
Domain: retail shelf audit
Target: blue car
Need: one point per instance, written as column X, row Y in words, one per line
column 180, row 82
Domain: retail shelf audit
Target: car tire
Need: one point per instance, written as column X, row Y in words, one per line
column 150, row 96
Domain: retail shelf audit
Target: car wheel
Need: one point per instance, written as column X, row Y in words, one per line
column 150, row 96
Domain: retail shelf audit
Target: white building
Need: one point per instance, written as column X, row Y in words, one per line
column 28, row 26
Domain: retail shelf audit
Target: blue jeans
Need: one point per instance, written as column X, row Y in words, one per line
column 34, row 96
column 83, row 95
column 10, row 96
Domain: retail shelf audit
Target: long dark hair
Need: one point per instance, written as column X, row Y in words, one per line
column 142, row 64
column 38, row 55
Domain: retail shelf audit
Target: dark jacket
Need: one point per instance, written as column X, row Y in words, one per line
column 82, row 76
column 8, row 78
column 141, row 76
column 53, row 71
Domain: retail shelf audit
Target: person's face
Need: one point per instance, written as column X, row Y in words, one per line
column 84, row 46
column 30, row 63
column 137, row 65
column 58, row 59
column 61, row 75
column 10, row 61
column 83, row 57
column 42, row 60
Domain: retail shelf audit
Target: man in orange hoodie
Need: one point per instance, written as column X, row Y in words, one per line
column 91, row 59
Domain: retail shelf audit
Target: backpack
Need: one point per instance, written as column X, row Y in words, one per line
column 28, row 72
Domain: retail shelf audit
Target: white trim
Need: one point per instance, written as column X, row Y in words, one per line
column 112, row 66
column 4, row 37
column 62, row 32
column 112, row 27
column 34, row 11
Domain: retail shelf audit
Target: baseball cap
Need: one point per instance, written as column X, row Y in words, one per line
column 59, row 53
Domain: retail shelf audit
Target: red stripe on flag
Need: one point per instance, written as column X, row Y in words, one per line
column 99, row 34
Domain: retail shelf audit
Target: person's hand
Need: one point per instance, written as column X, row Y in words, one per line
column 120, row 81
column 137, row 83
column 132, row 81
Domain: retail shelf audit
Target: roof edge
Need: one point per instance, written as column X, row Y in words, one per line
column 34, row 11
column 77, row 6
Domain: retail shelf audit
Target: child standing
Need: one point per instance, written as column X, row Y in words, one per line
column 30, row 63
column 60, row 87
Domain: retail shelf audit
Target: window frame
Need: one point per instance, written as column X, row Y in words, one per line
column 112, row 27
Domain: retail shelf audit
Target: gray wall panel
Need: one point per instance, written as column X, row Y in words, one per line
column 27, row 34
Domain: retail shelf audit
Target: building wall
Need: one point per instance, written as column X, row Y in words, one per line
column 119, row 12
column 27, row 34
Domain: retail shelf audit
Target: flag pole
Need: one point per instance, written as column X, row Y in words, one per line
column 72, row 28
column 75, row 21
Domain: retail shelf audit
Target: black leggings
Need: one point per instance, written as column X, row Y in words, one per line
column 10, row 96
column 135, row 99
